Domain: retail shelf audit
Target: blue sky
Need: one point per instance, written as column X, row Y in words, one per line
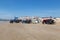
column 11, row 8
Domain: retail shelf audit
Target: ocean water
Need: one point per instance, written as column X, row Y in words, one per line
column 3, row 21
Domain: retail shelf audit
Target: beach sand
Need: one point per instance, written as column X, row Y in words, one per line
column 18, row 31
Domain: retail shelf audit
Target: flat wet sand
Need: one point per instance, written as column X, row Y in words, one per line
column 17, row 31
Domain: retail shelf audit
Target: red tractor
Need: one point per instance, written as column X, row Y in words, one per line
column 48, row 21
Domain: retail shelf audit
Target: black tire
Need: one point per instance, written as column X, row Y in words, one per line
column 28, row 21
column 44, row 22
column 11, row 21
column 17, row 21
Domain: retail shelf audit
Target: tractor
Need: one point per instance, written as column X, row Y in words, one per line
column 48, row 21
column 16, row 20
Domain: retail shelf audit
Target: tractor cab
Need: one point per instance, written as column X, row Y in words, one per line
column 16, row 20
column 48, row 21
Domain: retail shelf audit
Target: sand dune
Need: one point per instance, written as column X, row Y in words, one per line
column 29, row 31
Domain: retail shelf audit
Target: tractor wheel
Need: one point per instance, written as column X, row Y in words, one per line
column 17, row 21
column 11, row 21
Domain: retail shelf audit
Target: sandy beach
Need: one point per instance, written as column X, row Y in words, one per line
column 18, row 31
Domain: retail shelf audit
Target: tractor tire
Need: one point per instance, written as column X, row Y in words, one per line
column 11, row 21
column 17, row 21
